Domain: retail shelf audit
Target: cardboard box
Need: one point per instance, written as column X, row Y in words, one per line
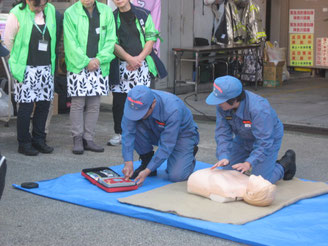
column 272, row 74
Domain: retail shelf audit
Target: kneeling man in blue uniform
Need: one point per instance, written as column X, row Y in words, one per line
column 248, row 132
column 158, row 118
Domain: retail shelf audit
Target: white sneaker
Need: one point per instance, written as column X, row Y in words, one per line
column 115, row 140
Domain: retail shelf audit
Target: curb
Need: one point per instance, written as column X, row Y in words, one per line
column 306, row 129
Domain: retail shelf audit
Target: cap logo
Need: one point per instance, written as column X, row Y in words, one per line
column 135, row 104
column 134, row 101
column 218, row 88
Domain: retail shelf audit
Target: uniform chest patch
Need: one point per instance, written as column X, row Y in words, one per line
column 247, row 123
column 160, row 124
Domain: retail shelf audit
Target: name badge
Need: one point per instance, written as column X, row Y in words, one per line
column 247, row 123
column 43, row 45
column 228, row 117
column 98, row 30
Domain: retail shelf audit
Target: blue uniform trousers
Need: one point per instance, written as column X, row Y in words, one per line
column 180, row 163
column 269, row 169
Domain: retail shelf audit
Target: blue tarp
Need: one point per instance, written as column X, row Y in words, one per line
column 302, row 223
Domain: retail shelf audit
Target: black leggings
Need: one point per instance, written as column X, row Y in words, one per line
column 118, row 108
column 39, row 122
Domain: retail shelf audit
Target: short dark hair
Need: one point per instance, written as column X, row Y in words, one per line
column 239, row 98
column 18, row 2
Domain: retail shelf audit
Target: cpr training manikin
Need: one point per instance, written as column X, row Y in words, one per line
column 230, row 185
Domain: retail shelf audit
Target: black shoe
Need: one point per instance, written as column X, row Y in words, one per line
column 195, row 150
column 145, row 159
column 27, row 149
column 288, row 162
column 43, row 147
column 141, row 168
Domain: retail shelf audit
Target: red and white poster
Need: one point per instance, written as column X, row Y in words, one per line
column 322, row 52
column 154, row 6
column 301, row 21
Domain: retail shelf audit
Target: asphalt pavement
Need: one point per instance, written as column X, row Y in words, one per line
column 31, row 220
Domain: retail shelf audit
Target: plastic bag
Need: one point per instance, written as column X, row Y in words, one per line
column 276, row 54
column 6, row 107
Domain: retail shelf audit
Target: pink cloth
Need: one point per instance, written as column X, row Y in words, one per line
column 12, row 27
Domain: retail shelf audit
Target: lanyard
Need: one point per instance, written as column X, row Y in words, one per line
column 37, row 27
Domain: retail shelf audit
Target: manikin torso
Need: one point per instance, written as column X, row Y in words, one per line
column 230, row 185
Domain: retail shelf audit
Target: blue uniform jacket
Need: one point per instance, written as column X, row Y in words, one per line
column 255, row 125
column 170, row 120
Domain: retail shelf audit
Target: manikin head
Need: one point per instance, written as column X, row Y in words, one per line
column 259, row 192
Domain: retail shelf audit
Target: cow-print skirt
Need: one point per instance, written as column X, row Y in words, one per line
column 129, row 79
column 38, row 85
column 87, row 83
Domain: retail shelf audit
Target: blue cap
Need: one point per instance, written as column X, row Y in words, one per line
column 224, row 88
column 138, row 102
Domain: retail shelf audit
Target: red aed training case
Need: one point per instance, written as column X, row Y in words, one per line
column 108, row 180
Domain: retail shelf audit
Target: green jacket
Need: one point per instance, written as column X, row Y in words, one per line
column 19, row 52
column 151, row 34
column 76, row 30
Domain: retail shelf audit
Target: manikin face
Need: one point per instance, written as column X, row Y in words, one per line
column 37, row 9
column 123, row 5
column 87, row 3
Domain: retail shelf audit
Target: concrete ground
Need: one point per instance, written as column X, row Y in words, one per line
column 31, row 220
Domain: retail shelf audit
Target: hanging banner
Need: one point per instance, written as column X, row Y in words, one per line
column 301, row 21
column 322, row 52
column 154, row 6
column 301, row 50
